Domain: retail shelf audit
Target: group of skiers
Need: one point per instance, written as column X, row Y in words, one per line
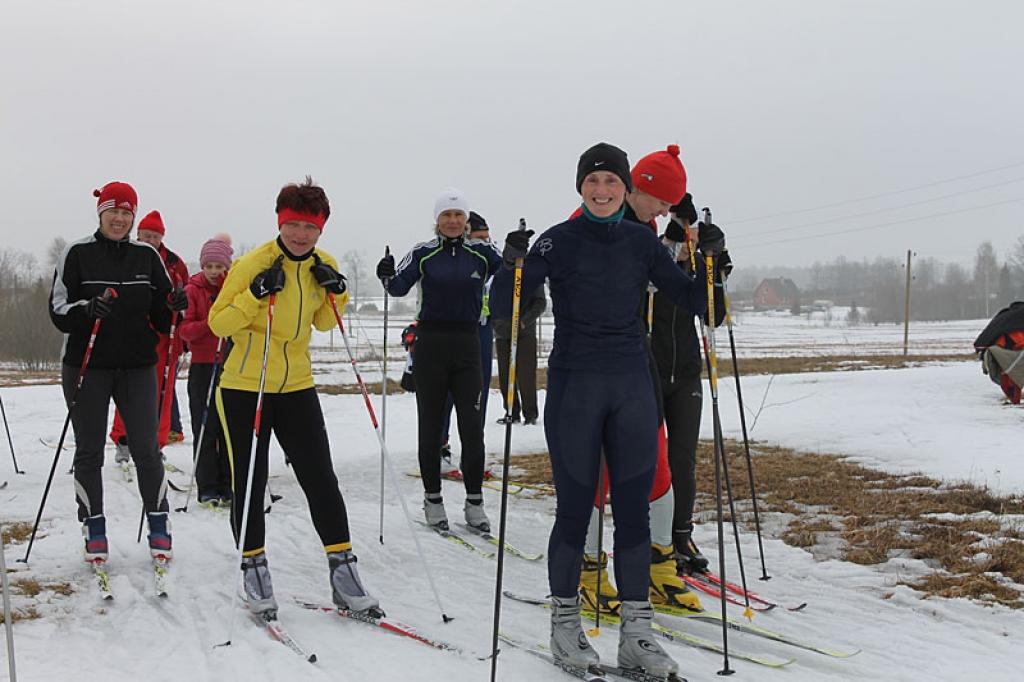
column 615, row 380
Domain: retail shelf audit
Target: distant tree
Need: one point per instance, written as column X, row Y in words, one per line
column 55, row 250
column 986, row 277
column 795, row 308
column 1006, row 289
column 30, row 339
column 853, row 317
column 1016, row 261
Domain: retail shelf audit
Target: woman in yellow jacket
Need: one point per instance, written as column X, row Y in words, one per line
column 301, row 276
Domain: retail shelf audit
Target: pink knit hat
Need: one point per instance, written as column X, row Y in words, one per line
column 217, row 250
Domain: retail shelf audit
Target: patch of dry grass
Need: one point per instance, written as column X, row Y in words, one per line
column 18, row 531
column 875, row 514
column 21, row 613
column 372, row 387
column 882, row 515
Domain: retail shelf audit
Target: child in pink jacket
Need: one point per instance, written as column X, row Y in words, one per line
column 213, row 471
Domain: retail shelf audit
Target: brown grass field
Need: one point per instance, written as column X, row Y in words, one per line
column 835, row 508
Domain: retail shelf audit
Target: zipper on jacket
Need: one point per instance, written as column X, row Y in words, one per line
column 298, row 326
column 245, row 356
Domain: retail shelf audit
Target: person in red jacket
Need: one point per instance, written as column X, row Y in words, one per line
column 213, row 471
column 151, row 231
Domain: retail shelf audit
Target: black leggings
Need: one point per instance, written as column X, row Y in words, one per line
column 213, row 471
column 447, row 358
column 134, row 394
column 683, row 401
column 298, row 424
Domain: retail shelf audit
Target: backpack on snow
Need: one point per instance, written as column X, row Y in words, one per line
column 1001, row 349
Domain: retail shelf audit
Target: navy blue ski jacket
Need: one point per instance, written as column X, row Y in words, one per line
column 598, row 275
column 451, row 275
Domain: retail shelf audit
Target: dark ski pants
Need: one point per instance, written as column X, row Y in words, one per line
column 447, row 358
column 683, row 402
column 213, row 471
column 586, row 412
column 486, row 362
column 298, row 424
column 134, row 394
column 525, row 403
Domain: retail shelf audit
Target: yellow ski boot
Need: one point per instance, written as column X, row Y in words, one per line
column 666, row 586
column 590, row 595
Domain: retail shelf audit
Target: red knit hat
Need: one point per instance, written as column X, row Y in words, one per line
column 116, row 195
column 152, row 222
column 661, row 175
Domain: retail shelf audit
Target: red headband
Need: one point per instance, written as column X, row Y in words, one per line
column 287, row 215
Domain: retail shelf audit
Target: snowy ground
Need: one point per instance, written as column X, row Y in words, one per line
column 945, row 419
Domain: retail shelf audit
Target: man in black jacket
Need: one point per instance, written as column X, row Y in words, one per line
column 123, row 358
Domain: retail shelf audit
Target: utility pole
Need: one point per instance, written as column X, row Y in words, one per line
column 906, row 311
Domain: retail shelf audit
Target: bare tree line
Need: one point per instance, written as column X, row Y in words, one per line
column 939, row 291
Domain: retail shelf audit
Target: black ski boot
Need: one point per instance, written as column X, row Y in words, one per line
column 689, row 560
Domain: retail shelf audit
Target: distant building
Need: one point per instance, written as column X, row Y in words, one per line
column 776, row 292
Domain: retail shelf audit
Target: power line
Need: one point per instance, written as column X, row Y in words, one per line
column 880, row 225
column 882, row 210
column 876, row 196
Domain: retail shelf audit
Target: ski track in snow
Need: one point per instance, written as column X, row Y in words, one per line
column 945, row 420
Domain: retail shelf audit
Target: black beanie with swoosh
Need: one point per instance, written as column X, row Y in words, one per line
column 603, row 157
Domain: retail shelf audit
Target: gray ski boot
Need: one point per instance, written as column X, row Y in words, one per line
column 259, row 591
column 476, row 517
column 637, row 648
column 433, row 510
column 346, row 587
column 568, row 643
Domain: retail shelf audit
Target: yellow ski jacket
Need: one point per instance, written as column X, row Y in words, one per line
column 301, row 305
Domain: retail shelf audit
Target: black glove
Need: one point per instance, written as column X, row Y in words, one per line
column 710, row 239
column 328, row 277
column 177, row 300
column 685, row 210
column 516, row 245
column 98, row 307
column 270, row 281
column 386, row 267
column 724, row 264
column 675, row 232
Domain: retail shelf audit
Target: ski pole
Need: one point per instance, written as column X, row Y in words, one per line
column 709, row 350
column 168, row 361
column 108, row 295
column 384, row 401
column 743, row 424
column 387, row 458
column 8, row 620
column 10, row 443
column 252, row 451
column 510, row 394
column 596, row 630
column 709, row 262
column 202, row 427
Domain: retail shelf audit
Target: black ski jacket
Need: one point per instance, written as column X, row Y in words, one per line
column 128, row 335
column 674, row 338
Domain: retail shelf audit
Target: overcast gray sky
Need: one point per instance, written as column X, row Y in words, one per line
column 208, row 108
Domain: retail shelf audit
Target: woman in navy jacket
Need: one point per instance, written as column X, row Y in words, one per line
column 450, row 271
column 601, row 395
